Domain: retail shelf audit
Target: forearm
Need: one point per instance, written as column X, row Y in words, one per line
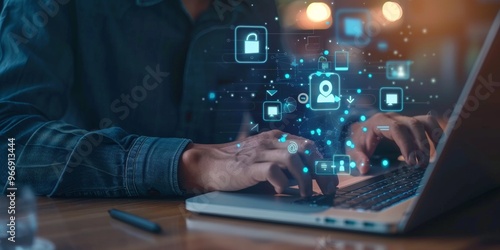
column 58, row 159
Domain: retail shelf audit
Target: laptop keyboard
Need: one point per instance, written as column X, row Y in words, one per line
column 374, row 194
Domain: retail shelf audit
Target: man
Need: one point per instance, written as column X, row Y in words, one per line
column 107, row 99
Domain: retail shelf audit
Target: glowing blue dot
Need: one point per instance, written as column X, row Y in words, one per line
column 318, row 131
column 326, row 52
column 359, row 91
column 352, row 146
column 308, row 105
column 312, row 132
column 365, row 129
column 211, row 96
column 352, row 164
column 287, row 76
column 346, row 112
column 348, row 143
column 329, row 143
column 301, row 60
column 363, row 118
column 299, row 120
column 238, row 145
column 305, row 170
column 318, row 73
column 385, row 163
column 370, row 75
column 342, row 119
column 360, row 72
column 307, row 152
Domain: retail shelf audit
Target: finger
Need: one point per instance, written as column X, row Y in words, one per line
column 366, row 141
column 401, row 135
column 397, row 132
column 417, row 129
column 296, row 168
column 293, row 163
column 432, row 127
column 327, row 184
column 305, row 148
column 271, row 173
column 309, row 153
column 361, row 159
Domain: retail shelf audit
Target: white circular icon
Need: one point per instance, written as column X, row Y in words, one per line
column 303, row 98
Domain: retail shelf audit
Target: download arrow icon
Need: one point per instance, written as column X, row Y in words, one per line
column 350, row 100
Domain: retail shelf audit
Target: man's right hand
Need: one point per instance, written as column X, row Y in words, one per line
column 241, row 164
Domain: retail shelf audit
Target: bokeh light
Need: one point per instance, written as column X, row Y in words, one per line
column 318, row 12
column 392, row 11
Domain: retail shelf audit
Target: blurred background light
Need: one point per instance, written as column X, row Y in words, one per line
column 318, row 12
column 392, row 11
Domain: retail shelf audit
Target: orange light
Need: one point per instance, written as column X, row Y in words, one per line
column 318, row 12
column 392, row 11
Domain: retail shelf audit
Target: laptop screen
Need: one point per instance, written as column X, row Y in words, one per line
column 330, row 67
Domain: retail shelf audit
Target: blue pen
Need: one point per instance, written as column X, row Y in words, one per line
column 135, row 220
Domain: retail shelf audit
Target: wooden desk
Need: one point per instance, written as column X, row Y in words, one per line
column 85, row 224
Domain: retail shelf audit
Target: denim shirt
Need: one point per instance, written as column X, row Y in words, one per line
column 102, row 97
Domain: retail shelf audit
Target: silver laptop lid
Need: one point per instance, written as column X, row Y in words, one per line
column 468, row 162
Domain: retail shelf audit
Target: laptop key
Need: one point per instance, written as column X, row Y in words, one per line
column 377, row 194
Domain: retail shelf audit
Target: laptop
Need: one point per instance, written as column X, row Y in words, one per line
column 398, row 199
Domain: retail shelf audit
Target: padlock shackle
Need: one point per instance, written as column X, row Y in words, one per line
column 252, row 34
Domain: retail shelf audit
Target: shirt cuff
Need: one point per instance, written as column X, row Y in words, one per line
column 152, row 164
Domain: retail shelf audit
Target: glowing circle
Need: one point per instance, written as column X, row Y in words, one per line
column 392, row 11
column 385, row 163
column 318, row 12
column 352, row 164
column 305, row 170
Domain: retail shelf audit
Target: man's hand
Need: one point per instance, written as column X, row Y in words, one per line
column 411, row 134
column 263, row 157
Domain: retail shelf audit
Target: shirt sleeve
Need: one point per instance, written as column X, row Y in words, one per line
column 37, row 61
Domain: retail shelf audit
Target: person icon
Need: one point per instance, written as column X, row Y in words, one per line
column 342, row 166
column 401, row 72
column 325, row 90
